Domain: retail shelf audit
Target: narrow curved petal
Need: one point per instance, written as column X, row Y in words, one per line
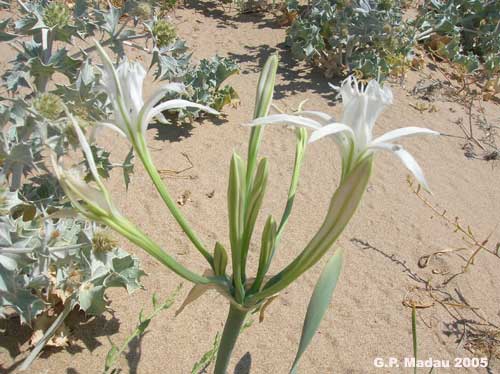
column 376, row 92
column 315, row 114
column 156, row 97
column 407, row 159
column 330, row 129
column 402, row 132
column 286, row 119
column 349, row 90
column 113, row 127
column 172, row 104
column 161, row 118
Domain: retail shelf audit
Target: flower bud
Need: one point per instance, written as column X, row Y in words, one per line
column 143, row 10
column 48, row 105
column 103, row 242
column 164, row 33
column 56, row 15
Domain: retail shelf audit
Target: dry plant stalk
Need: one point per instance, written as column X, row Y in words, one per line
column 469, row 238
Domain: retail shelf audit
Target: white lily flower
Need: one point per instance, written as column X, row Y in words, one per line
column 354, row 134
column 124, row 84
column 93, row 202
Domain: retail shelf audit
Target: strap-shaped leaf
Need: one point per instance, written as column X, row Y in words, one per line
column 68, row 307
column 300, row 150
column 318, row 304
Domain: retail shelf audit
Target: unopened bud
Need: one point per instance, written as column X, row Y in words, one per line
column 164, row 33
column 49, row 106
column 56, row 15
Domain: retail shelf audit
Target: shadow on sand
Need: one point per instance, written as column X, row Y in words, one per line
column 85, row 332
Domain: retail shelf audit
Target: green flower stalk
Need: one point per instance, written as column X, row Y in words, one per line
column 132, row 115
column 94, row 202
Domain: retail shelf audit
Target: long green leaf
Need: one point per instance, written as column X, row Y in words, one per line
column 264, row 97
column 236, row 210
column 300, row 151
column 318, row 304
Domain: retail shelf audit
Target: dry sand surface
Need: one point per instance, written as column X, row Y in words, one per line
column 367, row 318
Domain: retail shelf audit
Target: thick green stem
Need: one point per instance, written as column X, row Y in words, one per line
column 171, row 204
column 133, row 234
column 232, row 329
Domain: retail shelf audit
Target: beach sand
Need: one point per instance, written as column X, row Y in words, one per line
column 383, row 243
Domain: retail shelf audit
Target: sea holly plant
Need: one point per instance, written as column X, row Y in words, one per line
column 45, row 33
column 44, row 279
column 52, row 263
column 368, row 38
column 248, row 293
column 466, row 32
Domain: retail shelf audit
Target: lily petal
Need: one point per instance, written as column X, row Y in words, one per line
column 407, row 159
column 404, row 131
column 113, row 127
column 155, row 98
column 131, row 75
column 286, row 119
column 172, row 104
column 330, row 129
column 319, row 115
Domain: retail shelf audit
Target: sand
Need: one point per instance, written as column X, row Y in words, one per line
column 367, row 318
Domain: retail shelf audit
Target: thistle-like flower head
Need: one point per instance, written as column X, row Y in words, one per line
column 354, row 134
